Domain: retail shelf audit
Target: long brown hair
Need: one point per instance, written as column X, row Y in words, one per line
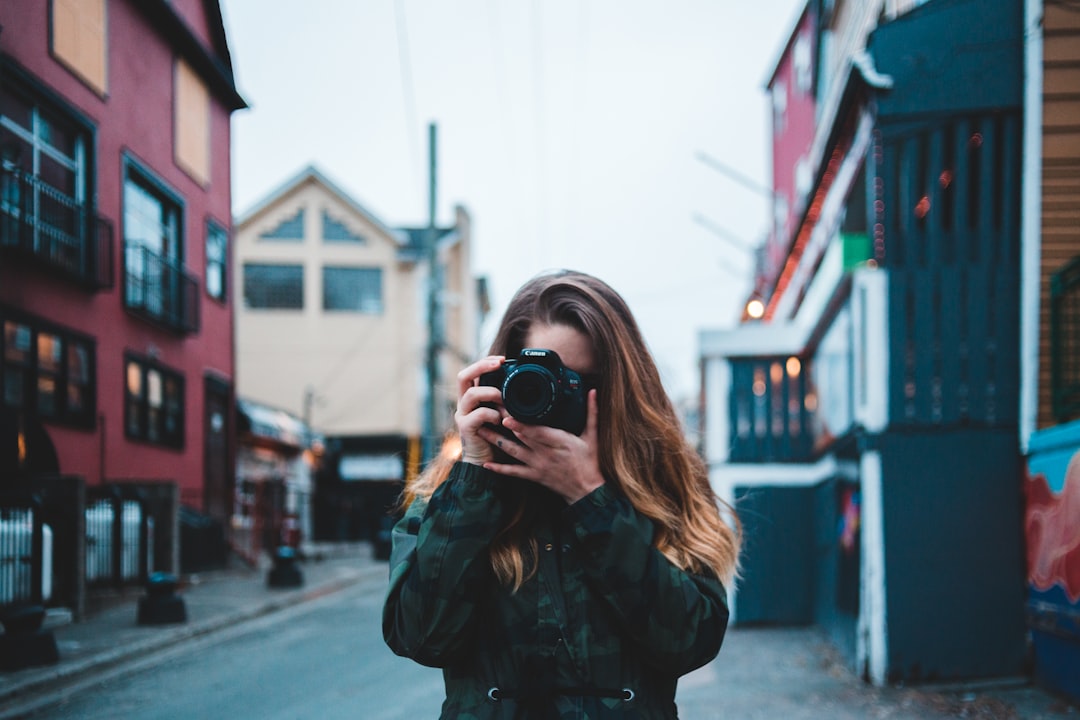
column 642, row 449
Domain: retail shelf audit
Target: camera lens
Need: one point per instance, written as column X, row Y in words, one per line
column 529, row 393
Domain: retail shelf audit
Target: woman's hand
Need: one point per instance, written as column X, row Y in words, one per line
column 472, row 414
column 566, row 464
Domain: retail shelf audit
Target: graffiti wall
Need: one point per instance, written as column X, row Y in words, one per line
column 1052, row 528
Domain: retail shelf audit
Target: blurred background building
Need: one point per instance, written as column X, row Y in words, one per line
column 909, row 353
column 334, row 328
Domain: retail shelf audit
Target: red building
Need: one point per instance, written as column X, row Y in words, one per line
column 116, row 356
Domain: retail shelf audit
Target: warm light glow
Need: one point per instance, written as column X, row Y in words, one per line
column 922, row 208
column 811, row 402
column 776, row 373
column 755, row 308
column 945, row 179
column 451, row 447
column 794, row 367
column 22, row 448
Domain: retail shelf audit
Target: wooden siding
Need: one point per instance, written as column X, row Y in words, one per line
column 951, row 222
column 1060, row 173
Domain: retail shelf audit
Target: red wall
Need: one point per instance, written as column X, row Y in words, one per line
column 791, row 141
column 136, row 117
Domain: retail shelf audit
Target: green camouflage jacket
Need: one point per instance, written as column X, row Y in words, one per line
column 603, row 629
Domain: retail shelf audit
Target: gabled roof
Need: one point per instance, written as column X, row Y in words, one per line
column 214, row 64
column 311, row 173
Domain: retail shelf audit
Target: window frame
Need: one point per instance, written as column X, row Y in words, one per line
column 63, row 376
column 248, row 305
column 362, row 300
column 214, row 227
column 49, row 108
column 150, row 430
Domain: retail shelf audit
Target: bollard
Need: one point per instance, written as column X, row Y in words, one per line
column 161, row 605
column 24, row 644
column 285, row 573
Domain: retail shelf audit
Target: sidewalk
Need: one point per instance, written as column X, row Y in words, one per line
column 214, row 600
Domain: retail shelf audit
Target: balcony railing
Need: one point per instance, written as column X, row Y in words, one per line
column 39, row 222
column 770, row 411
column 160, row 289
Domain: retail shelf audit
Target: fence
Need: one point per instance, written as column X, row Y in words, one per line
column 25, row 554
column 119, row 541
column 58, row 537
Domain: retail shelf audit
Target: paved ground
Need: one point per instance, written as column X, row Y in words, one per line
column 788, row 673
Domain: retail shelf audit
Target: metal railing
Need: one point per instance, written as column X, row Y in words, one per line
column 25, row 553
column 119, row 540
column 41, row 222
column 160, row 289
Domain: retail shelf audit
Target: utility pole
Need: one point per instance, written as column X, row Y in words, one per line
column 434, row 341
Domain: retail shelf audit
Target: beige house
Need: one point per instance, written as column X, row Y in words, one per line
column 332, row 325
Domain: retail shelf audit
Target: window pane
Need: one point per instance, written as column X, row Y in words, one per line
column 153, row 387
column 354, row 289
column 274, row 286
column 336, row 231
column 216, row 252
column 46, row 395
column 50, row 350
column 134, row 379
column 78, row 363
column 16, row 342
column 76, row 399
column 14, row 380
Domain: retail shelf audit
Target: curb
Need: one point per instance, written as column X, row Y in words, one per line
column 51, row 678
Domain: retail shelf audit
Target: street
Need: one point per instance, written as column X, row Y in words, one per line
column 325, row 659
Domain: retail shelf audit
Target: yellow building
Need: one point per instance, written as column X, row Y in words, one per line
column 333, row 325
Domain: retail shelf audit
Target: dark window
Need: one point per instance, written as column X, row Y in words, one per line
column 156, row 285
column 353, row 289
column 217, row 252
column 274, row 286
column 46, row 371
column 45, row 153
column 1065, row 341
column 288, row 229
column 336, row 231
column 153, row 402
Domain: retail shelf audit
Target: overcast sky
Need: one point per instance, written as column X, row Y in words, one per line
column 569, row 129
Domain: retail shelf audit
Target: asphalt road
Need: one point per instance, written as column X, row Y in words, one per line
column 326, row 659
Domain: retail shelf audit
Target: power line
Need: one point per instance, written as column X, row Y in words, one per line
column 744, row 180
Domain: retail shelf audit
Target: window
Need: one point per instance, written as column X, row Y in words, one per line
column 46, row 371
column 153, row 402
column 78, row 39
column 353, row 289
column 44, row 156
column 274, row 286
column 1065, row 341
column 288, row 229
column 217, row 252
column 192, row 127
column 156, row 284
column 336, row 231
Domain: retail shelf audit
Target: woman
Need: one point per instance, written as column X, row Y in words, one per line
column 556, row 575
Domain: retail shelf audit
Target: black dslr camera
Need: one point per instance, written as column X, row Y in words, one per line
column 539, row 390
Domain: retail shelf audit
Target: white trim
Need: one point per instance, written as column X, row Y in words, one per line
column 829, row 219
column 870, row 339
column 725, row 475
column 717, row 380
column 753, row 340
column 872, row 638
column 1031, row 219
